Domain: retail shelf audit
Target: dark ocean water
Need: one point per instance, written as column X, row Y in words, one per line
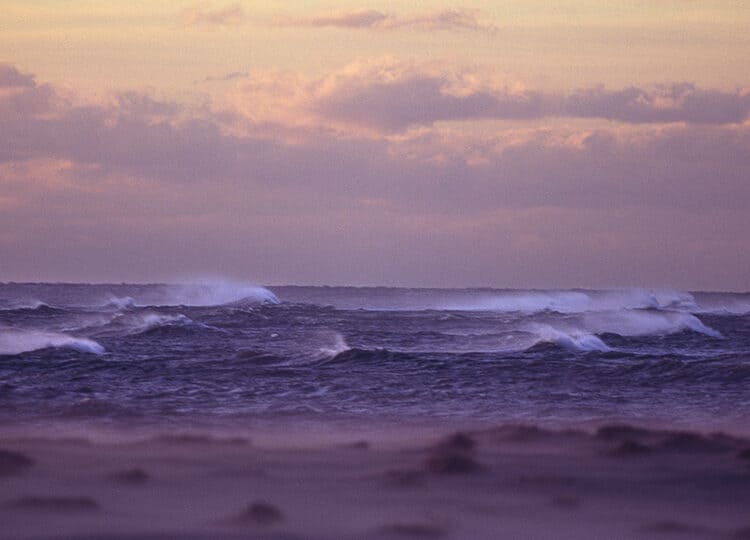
column 228, row 354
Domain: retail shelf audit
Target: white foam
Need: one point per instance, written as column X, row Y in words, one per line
column 148, row 321
column 531, row 301
column 576, row 301
column 155, row 320
column 216, row 293
column 15, row 341
column 643, row 323
column 126, row 302
column 338, row 346
column 574, row 340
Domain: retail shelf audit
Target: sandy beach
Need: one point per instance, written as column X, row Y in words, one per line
column 512, row 481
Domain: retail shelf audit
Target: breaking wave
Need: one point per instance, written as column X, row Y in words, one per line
column 216, row 293
column 148, row 322
column 33, row 305
column 338, row 346
column 577, row 301
column 642, row 323
column 575, row 340
column 581, row 333
column 13, row 341
column 126, row 302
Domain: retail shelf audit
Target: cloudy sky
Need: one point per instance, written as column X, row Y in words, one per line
column 514, row 143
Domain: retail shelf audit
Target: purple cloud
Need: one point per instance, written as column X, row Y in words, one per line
column 386, row 95
column 231, row 15
column 138, row 104
column 444, row 19
column 144, row 180
column 232, row 76
column 671, row 103
column 422, row 100
column 369, row 18
column 10, row 77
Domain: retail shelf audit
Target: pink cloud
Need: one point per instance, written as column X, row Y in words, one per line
column 386, row 95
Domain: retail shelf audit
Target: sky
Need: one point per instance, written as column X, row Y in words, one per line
column 515, row 143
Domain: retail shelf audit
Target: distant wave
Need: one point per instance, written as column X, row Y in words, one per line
column 204, row 293
column 725, row 308
column 576, row 301
column 14, row 341
column 506, row 301
column 216, row 293
column 582, row 334
column 33, row 305
column 643, row 323
column 126, row 302
column 147, row 322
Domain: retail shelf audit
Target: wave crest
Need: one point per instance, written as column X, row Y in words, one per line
column 126, row 302
column 578, row 301
column 14, row 341
column 148, row 322
column 575, row 340
column 217, row 293
column 636, row 323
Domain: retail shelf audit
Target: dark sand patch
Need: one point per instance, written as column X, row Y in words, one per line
column 453, row 455
column 684, row 442
column 630, row 448
column 133, row 477
column 452, row 463
column 13, row 463
column 688, row 442
column 458, row 442
column 260, row 513
column 741, row 534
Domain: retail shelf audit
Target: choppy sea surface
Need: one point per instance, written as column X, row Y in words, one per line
column 228, row 354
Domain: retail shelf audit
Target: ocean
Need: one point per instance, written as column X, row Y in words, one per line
column 223, row 354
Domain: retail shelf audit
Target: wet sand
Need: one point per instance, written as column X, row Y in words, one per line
column 512, row 482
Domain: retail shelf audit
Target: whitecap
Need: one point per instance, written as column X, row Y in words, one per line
column 125, row 302
column 338, row 346
column 216, row 293
column 14, row 341
column 573, row 340
column 576, row 301
column 643, row 323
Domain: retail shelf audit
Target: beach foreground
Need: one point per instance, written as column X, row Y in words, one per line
column 512, row 481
